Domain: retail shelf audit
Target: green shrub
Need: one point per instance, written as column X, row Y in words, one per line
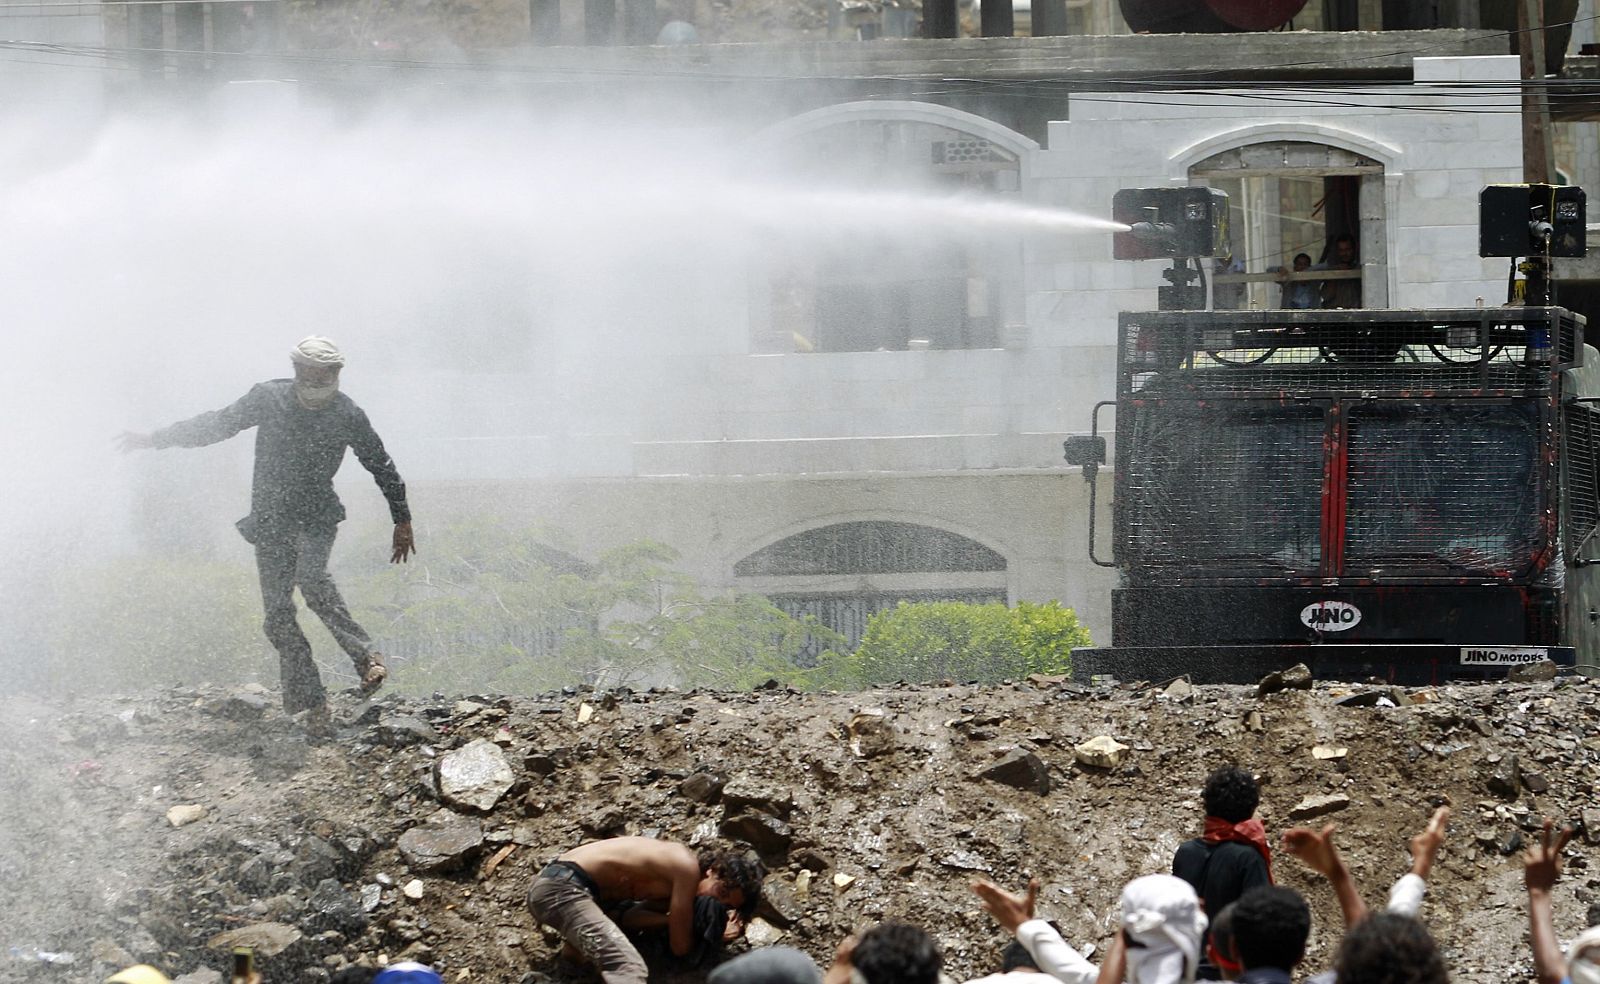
column 926, row 641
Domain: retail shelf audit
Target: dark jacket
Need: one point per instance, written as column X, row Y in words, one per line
column 298, row 451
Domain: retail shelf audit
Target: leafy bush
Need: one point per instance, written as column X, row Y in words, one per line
column 926, row 641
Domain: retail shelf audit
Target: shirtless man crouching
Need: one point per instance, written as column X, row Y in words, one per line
column 570, row 895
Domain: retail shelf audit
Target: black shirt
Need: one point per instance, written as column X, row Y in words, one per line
column 298, row 451
column 1219, row 873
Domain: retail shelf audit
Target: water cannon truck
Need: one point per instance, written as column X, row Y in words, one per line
column 1411, row 495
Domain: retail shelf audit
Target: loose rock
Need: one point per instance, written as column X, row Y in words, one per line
column 182, row 816
column 1023, row 770
column 445, row 842
column 1296, row 677
column 1319, row 806
column 1101, row 752
column 474, row 776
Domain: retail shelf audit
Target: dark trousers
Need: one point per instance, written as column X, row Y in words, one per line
column 299, row 558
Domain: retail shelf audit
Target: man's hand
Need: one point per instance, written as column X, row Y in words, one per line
column 131, row 441
column 734, row 928
column 404, row 544
column 1314, row 848
column 1009, row 909
column 1425, row 846
column 1541, row 863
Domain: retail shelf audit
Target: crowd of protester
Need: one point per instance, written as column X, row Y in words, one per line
column 1217, row 916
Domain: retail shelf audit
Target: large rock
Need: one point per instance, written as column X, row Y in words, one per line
column 445, row 841
column 1319, row 806
column 1506, row 780
column 702, row 787
column 766, row 833
column 238, row 707
column 1023, row 770
column 474, row 776
column 334, row 908
column 745, row 793
column 871, row 733
column 1296, row 677
column 1541, row 672
column 400, row 730
column 1101, row 752
column 317, row 858
column 268, row 939
column 779, row 904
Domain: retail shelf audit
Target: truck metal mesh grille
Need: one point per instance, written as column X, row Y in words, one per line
column 1498, row 350
column 1230, row 490
column 1440, row 490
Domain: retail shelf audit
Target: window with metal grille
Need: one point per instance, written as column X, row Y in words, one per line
column 1442, row 489
column 1220, row 490
column 879, row 547
column 1581, row 450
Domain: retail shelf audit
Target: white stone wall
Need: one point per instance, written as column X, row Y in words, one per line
column 1435, row 164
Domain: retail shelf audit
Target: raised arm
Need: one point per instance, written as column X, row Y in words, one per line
column 1317, row 851
column 1541, row 866
column 1405, row 898
column 1051, row 954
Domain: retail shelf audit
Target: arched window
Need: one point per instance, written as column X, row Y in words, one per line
column 842, row 574
column 1298, row 197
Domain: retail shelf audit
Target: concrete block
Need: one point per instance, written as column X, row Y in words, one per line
column 1478, row 68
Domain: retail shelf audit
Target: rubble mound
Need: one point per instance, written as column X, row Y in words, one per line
column 168, row 827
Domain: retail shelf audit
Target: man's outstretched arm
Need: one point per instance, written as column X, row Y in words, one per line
column 196, row 432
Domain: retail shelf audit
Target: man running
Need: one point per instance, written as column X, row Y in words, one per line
column 303, row 426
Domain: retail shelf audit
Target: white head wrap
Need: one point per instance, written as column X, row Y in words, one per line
column 1583, row 969
column 1163, row 916
column 314, row 350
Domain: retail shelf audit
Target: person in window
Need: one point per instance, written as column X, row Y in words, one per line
column 1300, row 295
column 1345, row 292
column 1227, row 297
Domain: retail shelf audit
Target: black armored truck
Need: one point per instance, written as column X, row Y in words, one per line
column 1412, row 495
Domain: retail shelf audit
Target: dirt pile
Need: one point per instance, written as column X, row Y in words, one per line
column 165, row 826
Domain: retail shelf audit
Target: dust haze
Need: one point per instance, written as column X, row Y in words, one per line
column 514, row 287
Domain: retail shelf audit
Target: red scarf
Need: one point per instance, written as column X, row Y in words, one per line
column 1251, row 831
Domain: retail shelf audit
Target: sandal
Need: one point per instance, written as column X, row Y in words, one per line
column 372, row 672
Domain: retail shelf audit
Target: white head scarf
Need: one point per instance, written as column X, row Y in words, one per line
column 1161, row 914
column 1582, row 968
column 314, row 350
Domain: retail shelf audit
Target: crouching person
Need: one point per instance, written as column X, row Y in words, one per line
column 572, row 894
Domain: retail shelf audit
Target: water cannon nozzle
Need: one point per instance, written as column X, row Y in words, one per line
column 1153, row 231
